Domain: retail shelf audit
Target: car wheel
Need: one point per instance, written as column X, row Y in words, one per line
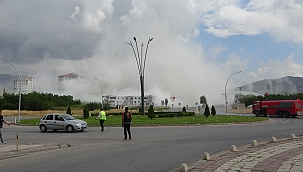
column 43, row 128
column 70, row 129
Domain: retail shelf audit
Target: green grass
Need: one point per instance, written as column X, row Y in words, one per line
column 139, row 120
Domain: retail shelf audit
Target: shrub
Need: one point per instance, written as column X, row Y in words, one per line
column 174, row 114
column 151, row 112
column 206, row 112
column 69, row 111
column 183, row 109
column 85, row 113
column 167, row 115
column 213, row 110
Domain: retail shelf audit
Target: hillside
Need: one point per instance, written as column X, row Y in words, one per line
column 287, row 84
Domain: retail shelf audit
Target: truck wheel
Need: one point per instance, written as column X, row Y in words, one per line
column 285, row 114
column 279, row 114
column 257, row 113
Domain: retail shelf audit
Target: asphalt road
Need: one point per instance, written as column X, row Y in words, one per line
column 151, row 148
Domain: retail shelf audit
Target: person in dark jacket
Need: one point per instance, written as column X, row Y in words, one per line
column 1, row 125
column 126, row 121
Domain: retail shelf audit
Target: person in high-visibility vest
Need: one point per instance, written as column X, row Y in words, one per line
column 102, row 118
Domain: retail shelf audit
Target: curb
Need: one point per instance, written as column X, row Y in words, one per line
column 27, row 151
column 192, row 164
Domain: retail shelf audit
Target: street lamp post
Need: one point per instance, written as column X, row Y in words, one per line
column 225, row 91
column 101, row 92
column 19, row 106
column 141, row 66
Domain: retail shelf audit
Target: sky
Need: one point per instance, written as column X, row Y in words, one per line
column 197, row 45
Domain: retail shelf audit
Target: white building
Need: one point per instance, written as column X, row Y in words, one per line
column 67, row 77
column 128, row 100
column 27, row 85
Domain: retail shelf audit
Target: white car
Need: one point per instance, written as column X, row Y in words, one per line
column 61, row 122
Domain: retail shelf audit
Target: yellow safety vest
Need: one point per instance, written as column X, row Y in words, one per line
column 102, row 115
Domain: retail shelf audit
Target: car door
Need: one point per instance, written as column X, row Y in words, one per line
column 59, row 123
column 49, row 121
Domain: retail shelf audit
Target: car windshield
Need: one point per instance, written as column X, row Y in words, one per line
column 68, row 117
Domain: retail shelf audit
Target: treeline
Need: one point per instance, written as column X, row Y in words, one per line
column 36, row 101
column 249, row 99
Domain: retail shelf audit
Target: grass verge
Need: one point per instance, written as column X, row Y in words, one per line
column 139, row 120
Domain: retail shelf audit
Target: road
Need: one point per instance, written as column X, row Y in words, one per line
column 151, row 148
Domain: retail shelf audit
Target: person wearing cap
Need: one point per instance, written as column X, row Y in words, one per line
column 1, row 125
column 126, row 121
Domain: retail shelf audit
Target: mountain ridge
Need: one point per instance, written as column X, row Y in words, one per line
column 286, row 84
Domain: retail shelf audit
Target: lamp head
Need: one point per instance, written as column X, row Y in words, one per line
column 135, row 38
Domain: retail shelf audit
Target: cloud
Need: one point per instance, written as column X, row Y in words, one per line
column 215, row 51
column 52, row 38
column 275, row 69
column 74, row 13
column 281, row 19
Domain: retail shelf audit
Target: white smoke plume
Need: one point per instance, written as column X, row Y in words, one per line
column 89, row 38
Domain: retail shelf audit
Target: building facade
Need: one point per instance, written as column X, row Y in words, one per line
column 62, row 79
column 130, row 101
column 27, row 85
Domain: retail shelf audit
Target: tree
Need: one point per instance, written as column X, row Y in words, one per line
column 166, row 102
column 206, row 111
column 203, row 100
column 85, row 112
column 91, row 106
column 183, row 109
column 69, row 111
column 213, row 110
column 106, row 105
column 151, row 112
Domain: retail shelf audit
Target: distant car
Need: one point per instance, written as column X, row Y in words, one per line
column 61, row 122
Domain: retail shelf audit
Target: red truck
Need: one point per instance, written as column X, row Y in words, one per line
column 279, row 108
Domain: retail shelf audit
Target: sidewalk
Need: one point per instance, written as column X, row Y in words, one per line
column 11, row 150
column 285, row 155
